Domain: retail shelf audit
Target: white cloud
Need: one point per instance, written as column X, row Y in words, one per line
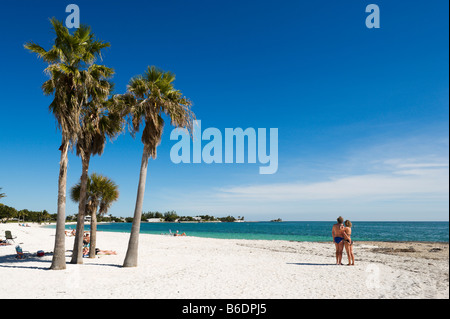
column 423, row 183
column 423, row 165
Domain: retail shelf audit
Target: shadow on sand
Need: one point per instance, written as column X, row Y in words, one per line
column 10, row 261
column 311, row 264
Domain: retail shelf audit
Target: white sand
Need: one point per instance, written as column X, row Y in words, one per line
column 191, row 267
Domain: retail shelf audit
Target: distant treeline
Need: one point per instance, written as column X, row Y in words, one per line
column 171, row 216
column 100, row 218
column 8, row 213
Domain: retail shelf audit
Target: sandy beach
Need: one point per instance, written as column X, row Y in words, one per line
column 192, row 267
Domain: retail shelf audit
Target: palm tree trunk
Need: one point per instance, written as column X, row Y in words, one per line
column 59, row 251
column 93, row 234
column 77, row 255
column 132, row 251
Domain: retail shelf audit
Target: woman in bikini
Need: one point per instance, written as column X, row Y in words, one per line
column 348, row 242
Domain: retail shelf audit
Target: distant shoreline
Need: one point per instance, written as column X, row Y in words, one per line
column 286, row 231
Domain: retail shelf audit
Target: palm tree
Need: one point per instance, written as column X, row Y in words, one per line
column 2, row 194
column 68, row 56
column 22, row 213
column 151, row 95
column 44, row 215
column 101, row 193
column 100, row 118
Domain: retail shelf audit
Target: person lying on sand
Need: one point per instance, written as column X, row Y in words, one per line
column 105, row 252
column 98, row 252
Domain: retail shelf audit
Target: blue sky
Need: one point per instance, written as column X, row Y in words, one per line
column 362, row 114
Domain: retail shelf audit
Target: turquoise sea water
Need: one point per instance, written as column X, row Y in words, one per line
column 295, row 231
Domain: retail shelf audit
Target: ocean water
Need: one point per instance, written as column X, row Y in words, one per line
column 318, row 231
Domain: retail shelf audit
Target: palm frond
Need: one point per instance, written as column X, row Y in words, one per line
column 153, row 94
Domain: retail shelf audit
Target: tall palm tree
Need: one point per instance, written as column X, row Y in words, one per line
column 100, row 119
column 69, row 55
column 101, row 193
column 151, row 95
column 2, row 194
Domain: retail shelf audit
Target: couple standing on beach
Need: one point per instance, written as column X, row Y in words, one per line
column 342, row 238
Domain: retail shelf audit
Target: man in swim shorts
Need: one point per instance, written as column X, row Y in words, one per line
column 338, row 239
